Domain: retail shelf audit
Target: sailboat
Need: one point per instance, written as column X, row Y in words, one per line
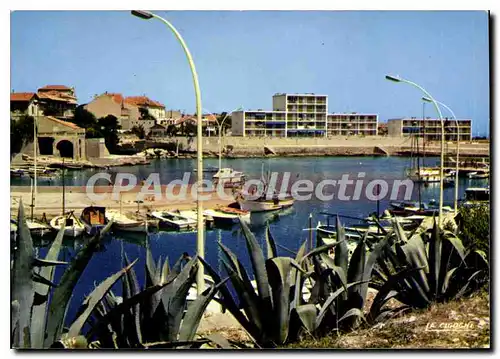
column 264, row 202
column 73, row 226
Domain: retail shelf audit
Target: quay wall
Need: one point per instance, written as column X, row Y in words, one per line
column 332, row 146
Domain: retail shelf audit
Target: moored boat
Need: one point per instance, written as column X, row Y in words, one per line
column 228, row 177
column 38, row 228
column 123, row 222
column 264, row 204
column 94, row 219
column 193, row 214
column 73, row 226
column 227, row 216
column 174, row 220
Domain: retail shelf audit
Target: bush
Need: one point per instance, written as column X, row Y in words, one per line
column 474, row 226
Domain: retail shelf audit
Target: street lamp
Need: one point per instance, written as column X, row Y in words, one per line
column 441, row 171
column 426, row 99
column 220, row 133
column 200, row 240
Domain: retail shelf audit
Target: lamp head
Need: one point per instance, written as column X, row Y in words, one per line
column 392, row 78
column 426, row 99
column 146, row 15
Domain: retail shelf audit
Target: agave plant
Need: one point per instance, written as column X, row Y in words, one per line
column 38, row 305
column 339, row 285
column 159, row 315
column 276, row 310
column 425, row 269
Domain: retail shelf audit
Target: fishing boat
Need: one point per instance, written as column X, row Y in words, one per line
column 208, row 169
column 38, row 228
column 228, row 177
column 73, row 226
column 263, row 203
column 227, row 216
column 94, row 219
column 174, row 220
column 16, row 172
column 193, row 214
column 123, row 222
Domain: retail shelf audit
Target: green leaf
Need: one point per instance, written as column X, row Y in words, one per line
column 307, row 316
column 195, row 312
column 62, row 294
column 271, row 244
column 279, row 278
column 38, row 316
column 22, row 283
column 341, row 251
column 94, row 298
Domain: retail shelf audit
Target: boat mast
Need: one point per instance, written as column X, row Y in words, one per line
column 34, row 189
column 64, row 189
column 418, row 169
column 423, row 134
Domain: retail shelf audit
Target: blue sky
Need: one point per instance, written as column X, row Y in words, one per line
column 244, row 57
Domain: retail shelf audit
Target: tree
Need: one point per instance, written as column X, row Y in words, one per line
column 171, row 130
column 108, row 127
column 21, row 133
column 145, row 115
column 138, row 131
column 84, row 118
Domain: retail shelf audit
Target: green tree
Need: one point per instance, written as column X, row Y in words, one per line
column 107, row 127
column 84, row 118
column 145, row 115
column 138, row 131
column 21, row 133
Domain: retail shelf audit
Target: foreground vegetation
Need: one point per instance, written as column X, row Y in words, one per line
column 311, row 295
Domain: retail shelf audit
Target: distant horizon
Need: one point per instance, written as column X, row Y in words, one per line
column 244, row 57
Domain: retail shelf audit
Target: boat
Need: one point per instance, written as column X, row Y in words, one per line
column 478, row 175
column 38, row 228
column 228, row 177
column 208, row 169
column 263, row 203
column 123, row 222
column 425, row 175
column 477, row 195
column 193, row 214
column 16, row 172
column 94, row 219
column 407, row 208
column 73, row 226
column 174, row 220
column 227, row 216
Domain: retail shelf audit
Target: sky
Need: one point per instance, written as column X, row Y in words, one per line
column 244, row 57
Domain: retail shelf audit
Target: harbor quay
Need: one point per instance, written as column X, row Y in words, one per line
column 49, row 199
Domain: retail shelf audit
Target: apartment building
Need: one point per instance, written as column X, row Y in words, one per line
column 349, row 124
column 300, row 115
column 24, row 104
column 57, row 100
column 430, row 128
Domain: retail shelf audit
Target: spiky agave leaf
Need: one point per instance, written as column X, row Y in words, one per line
column 94, row 298
column 62, row 294
column 22, row 282
column 38, row 316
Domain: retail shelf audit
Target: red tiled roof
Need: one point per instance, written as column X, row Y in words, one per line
column 64, row 123
column 22, row 96
column 56, row 96
column 54, row 87
column 142, row 101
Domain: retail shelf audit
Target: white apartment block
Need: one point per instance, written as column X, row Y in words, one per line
column 430, row 128
column 300, row 115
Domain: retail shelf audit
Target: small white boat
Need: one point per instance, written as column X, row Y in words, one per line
column 478, row 175
column 224, row 216
column 73, row 226
column 38, row 228
column 174, row 220
column 228, row 177
column 122, row 222
column 263, row 204
column 193, row 214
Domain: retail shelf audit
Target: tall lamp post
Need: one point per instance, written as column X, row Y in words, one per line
column 220, row 125
column 200, row 240
column 426, row 99
column 441, row 171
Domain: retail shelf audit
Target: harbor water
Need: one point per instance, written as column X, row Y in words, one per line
column 289, row 227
